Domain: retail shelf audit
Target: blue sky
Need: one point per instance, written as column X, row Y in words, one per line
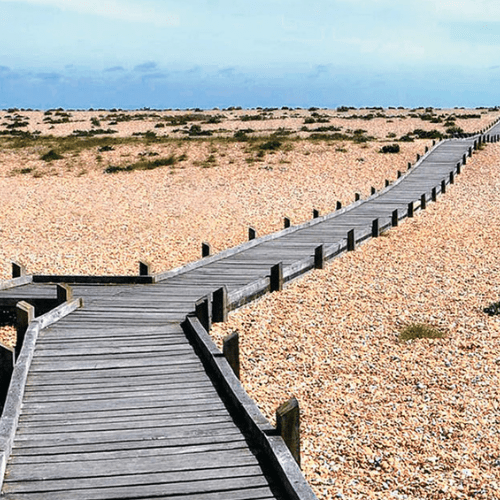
column 208, row 53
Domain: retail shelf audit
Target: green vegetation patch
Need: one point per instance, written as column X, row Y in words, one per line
column 390, row 148
column 51, row 155
column 145, row 164
column 492, row 309
column 420, row 331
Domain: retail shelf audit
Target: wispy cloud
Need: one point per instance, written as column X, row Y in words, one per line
column 147, row 66
column 4, row 69
column 49, row 77
column 114, row 69
column 136, row 11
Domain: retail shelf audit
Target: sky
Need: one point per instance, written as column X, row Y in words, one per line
column 131, row 54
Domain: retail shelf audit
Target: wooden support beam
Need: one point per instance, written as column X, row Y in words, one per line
column 399, row 174
column 25, row 314
column 219, row 305
column 351, row 241
column 373, row 191
column 423, row 202
column 434, row 194
column 464, row 159
column 277, row 277
column 410, row 212
column 395, row 218
column 231, row 351
column 286, row 222
column 288, row 426
column 18, row 270
column 319, row 257
column 443, row 186
column 387, row 183
column 7, row 362
column 375, row 228
column 459, row 168
column 426, row 149
column 418, row 157
column 64, row 293
column 144, row 268
column 315, row 214
column 409, row 165
column 205, row 249
column 357, row 196
column 470, row 151
column 339, row 205
column 452, row 177
column 252, row 233
column 203, row 311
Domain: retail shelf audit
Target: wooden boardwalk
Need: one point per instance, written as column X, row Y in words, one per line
column 118, row 403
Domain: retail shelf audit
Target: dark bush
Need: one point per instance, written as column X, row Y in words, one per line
column 390, row 148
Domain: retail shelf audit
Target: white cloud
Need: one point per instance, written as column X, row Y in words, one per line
column 464, row 10
column 129, row 10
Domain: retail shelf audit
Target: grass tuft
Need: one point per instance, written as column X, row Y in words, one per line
column 419, row 331
column 51, row 155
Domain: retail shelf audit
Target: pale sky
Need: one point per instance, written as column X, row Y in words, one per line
column 207, row 53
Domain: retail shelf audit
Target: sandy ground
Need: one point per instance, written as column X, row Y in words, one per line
column 381, row 418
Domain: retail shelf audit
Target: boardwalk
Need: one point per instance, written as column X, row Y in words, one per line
column 118, row 404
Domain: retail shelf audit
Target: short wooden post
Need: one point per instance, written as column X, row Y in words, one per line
column 399, row 174
column 339, row 205
column 231, row 351
column 418, row 157
column 7, row 362
column 351, row 241
column 464, row 159
column 475, row 145
column 433, row 142
column 443, row 186
column 452, row 177
column 470, row 151
column 219, row 305
column 25, row 314
column 410, row 211
column 409, row 165
column 426, row 149
column 434, row 194
column 205, row 249
column 423, row 202
column 64, row 293
column 357, row 196
column 387, row 183
column 288, row 426
column 18, row 270
column 252, row 233
column 315, row 214
column 375, row 228
column 459, row 168
column 144, row 268
column 319, row 257
column 286, row 222
column 395, row 218
column 373, row 190
column 277, row 277
column 203, row 311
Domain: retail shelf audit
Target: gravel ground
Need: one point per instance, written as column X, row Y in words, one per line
column 381, row 418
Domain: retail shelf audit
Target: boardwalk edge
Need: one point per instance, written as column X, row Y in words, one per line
column 246, row 411
column 13, row 402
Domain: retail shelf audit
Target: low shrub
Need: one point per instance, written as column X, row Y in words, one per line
column 420, row 331
column 390, row 148
column 51, row 155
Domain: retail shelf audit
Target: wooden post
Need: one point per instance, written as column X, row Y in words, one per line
column 459, row 168
column 319, row 257
column 18, row 270
column 144, row 268
column 395, row 218
column 231, row 351
column 443, row 186
column 387, row 183
column 203, row 312
column 219, row 305
column 434, row 194
column 286, row 222
column 373, row 191
column 399, row 174
column 470, row 151
column 339, row 205
column 409, row 165
column 464, row 159
column 452, row 177
column 375, row 228
column 277, row 277
column 475, row 145
column 351, row 241
column 410, row 210
column 252, row 233
column 357, row 196
column 423, row 202
column 426, row 149
column 64, row 293
column 7, row 362
column 25, row 314
column 205, row 249
column 288, row 426
column 315, row 214
column 433, row 142
column 418, row 157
